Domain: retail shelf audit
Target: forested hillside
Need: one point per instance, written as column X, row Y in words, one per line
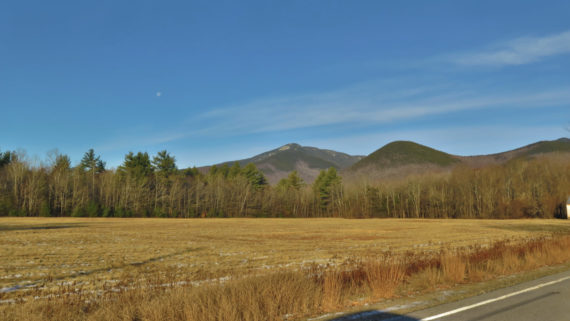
column 306, row 161
column 153, row 186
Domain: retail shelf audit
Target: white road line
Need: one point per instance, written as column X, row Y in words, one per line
column 441, row 315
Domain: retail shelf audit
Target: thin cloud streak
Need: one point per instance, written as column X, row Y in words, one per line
column 518, row 51
column 344, row 107
column 329, row 109
column 362, row 105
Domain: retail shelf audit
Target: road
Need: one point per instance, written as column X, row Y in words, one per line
column 544, row 299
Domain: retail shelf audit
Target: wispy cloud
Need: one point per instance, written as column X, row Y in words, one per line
column 518, row 51
column 372, row 103
column 353, row 104
column 364, row 107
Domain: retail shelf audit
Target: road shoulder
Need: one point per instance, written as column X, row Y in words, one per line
column 491, row 296
column 460, row 295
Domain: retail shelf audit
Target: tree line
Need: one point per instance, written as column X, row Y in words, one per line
column 145, row 186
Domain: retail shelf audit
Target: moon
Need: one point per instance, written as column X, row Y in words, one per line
column 158, row 94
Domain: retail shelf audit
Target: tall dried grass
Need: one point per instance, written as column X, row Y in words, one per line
column 453, row 266
column 297, row 294
column 383, row 277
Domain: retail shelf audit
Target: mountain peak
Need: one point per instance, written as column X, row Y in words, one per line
column 400, row 153
column 307, row 161
column 289, row 146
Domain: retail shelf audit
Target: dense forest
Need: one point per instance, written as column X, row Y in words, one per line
column 154, row 187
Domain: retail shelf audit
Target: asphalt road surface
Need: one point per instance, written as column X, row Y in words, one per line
column 544, row 299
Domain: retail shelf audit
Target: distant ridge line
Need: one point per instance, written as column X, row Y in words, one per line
column 397, row 158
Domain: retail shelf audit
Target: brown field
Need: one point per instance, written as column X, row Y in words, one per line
column 81, row 261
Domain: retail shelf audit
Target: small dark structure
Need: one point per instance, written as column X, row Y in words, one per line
column 568, row 208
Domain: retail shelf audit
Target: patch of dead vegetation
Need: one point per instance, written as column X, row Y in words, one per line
column 134, row 268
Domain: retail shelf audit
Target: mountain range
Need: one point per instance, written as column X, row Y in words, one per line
column 396, row 159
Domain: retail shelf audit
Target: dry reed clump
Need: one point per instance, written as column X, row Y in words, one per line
column 258, row 298
column 297, row 294
column 426, row 279
column 453, row 266
column 383, row 277
column 332, row 290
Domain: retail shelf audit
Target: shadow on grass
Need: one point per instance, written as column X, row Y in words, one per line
column 124, row 265
column 6, row 228
column 374, row 315
column 105, row 269
column 552, row 228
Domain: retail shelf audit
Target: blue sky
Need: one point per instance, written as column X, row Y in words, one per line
column 214, row 81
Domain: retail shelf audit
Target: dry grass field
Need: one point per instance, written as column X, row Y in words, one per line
column 50, row 259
